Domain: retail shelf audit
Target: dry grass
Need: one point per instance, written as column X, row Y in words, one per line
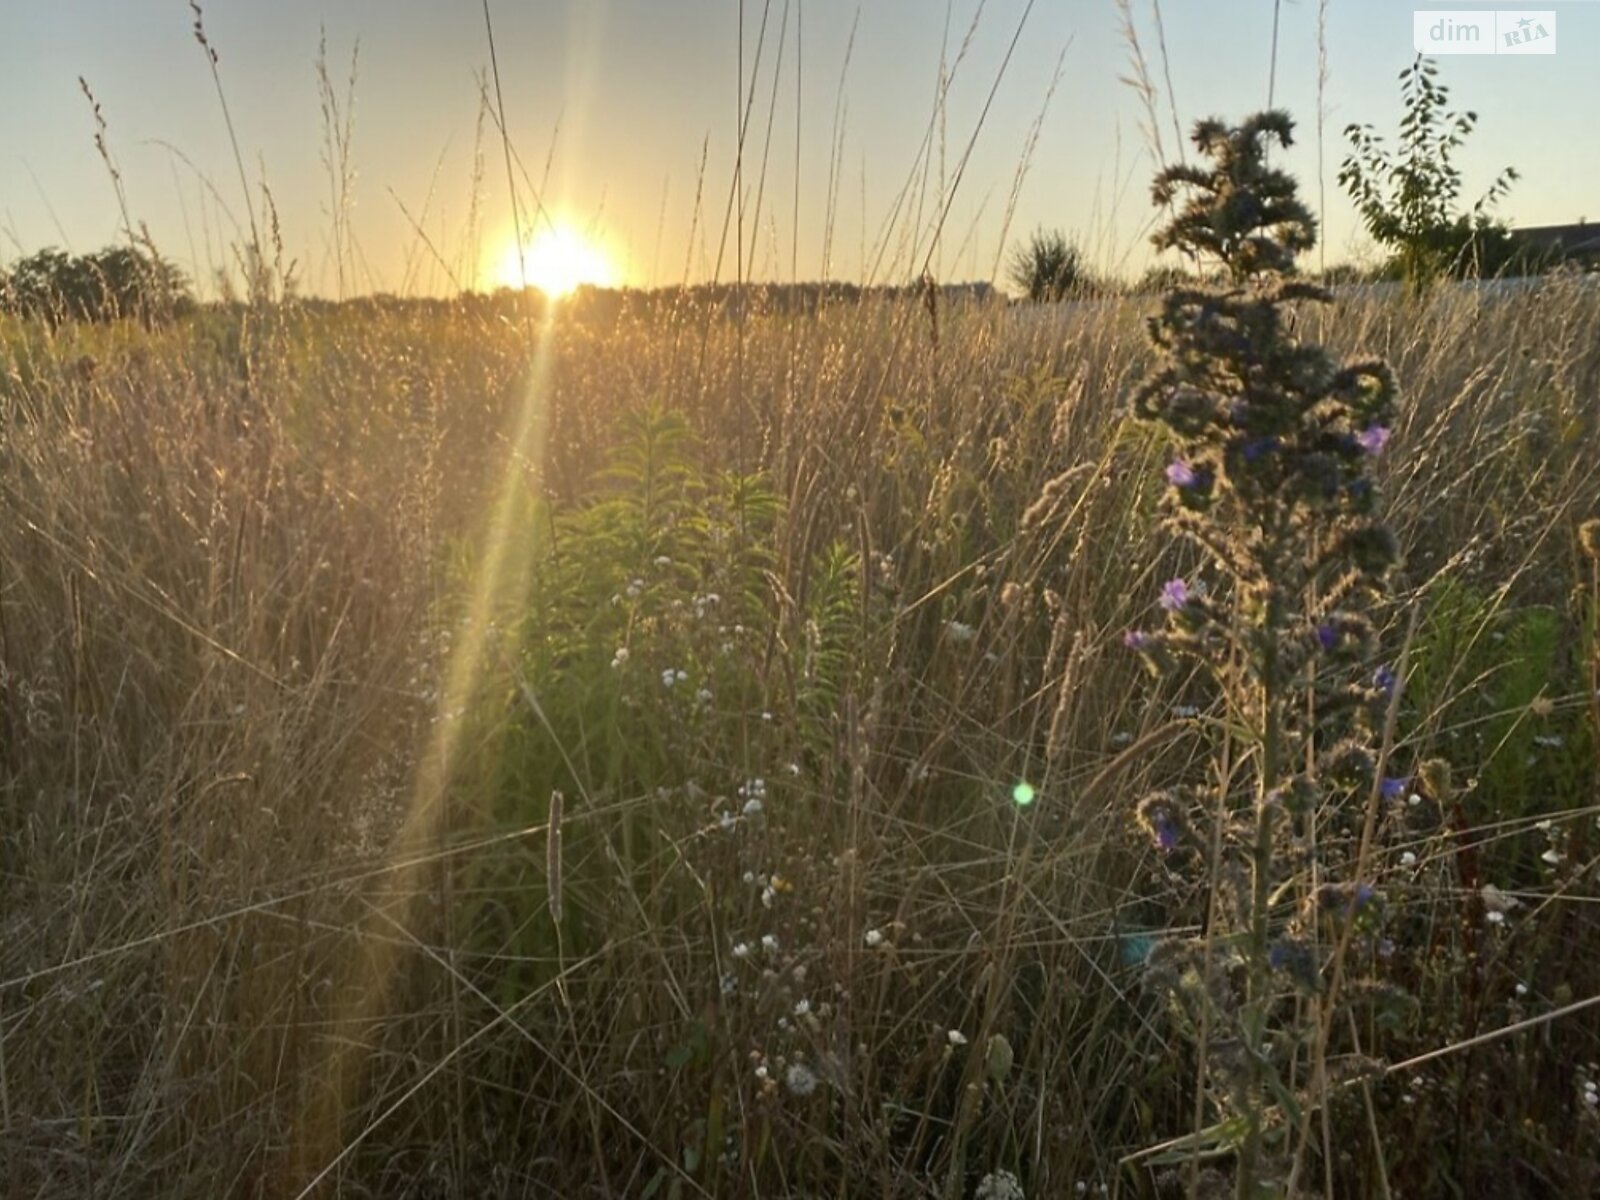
column 235, row 555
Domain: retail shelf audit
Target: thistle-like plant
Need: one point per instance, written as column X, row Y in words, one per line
column 1271, row 477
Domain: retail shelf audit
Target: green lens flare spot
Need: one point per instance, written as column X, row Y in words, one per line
column 1023, row 794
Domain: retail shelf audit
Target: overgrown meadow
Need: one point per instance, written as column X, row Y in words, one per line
column 696, row 751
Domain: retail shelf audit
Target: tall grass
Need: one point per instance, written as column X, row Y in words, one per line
column 800, row 935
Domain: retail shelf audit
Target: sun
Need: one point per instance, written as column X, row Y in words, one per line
column 557, row 260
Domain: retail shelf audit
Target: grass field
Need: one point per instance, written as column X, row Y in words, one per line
column 684, row 755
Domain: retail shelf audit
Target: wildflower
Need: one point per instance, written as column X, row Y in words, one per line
column 1327, row 636
column 1174, row 594
column 1373, row 438
column 703, row 696
column 726, row 821
column 1137, row 639
column 800, row 1079
column 999, row 1185
column 672, row 677
column 1408, row 859
column 1181, row 474
column 958, row 632
column 741, row 950
column 956, row 1038
column 769, row 943
column 1496, row 901
column 1258, row 448
column 1548, row 741
column 802, row 1007
column 620, row 657
column 1392, row 788
column 874, row 938
column 753, row 807
column 1552, row 856
column 634, row 588
column 663, row 561
column 1384, row 680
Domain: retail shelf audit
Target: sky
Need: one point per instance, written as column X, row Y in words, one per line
column 624, row 117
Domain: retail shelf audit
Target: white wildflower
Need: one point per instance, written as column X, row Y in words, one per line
column 742, row 950
column 620, row 657
column 956, row 1037
column 1408, row 859
column 874, row 938
column 999, row 1185
column 958, row 632
column 800, row 1079
column 769, row 943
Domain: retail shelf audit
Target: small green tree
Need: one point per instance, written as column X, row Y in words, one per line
column 1408, row 198
column 1049, row 268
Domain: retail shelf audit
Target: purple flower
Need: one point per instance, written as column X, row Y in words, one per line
column 1166, row 832
column 1181, row 474
column 1259, row 448
column 1362, row 896
column 1137, row 639
column 1392, row 788
column 1327, row 635
column 1373, row 438
column 1174, row 595
column 1383, row 679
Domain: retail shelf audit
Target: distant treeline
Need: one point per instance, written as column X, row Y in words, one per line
column 119, row 281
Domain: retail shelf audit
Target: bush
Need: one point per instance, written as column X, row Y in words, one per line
column 1049, row 268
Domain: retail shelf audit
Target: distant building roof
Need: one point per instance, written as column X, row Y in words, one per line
column 1566, row 241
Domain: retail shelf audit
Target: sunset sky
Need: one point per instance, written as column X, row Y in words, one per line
column 620, row 96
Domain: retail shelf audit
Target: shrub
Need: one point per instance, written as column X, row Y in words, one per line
column 1049, row 268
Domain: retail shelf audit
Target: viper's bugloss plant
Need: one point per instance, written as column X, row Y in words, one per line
column 1271, row 476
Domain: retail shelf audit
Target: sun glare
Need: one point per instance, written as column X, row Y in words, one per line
column 558, row 260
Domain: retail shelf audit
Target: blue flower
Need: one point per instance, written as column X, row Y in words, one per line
column 1327, row 635
column 1384, row 680
column 1166, row 831
column 1259, row 448
column 1181, row 474
column 1174, row 594
column 1392, row 788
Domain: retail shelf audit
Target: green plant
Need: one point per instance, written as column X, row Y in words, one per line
column 1272, row 481
column 1408, row 199
column 1049, row 268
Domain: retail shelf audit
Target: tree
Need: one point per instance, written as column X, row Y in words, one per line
column 119, row 281
column 1049, row 268
column 1408, row 198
